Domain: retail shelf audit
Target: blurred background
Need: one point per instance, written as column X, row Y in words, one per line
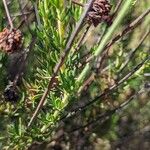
column 126, row 129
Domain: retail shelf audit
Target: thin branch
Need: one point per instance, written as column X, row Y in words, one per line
column 112, row 18
column 104, row 116
column 25, row 54
column 128, row 59
column 61, row 61
column 77, row 3
column 112, row 88
column 105, row 29
column 102, row 35
column 87, row 83
column 110, row 65
column 105, row 53
column 128, row 29
column 80, row 42
column 37, row 15
column 106, row 92
column 104, row 42
column 20, row 14
column 24, row 58
column 117, row 8
column 14, row 18
column 25, row 17
column 8, row 15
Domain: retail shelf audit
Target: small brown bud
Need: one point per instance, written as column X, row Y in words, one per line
column 99, row 12
column 10, row 41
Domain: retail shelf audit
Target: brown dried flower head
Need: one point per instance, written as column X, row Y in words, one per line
column 10, row 41
column 99, row 12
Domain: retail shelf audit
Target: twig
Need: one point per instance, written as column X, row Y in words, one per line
column 106, row 92
column 112, row 18
column 26, row 52
column 81, row 40
column 87, row 83
column 128, row 59
column 61, row 61
column 117, row 8
column 104, row 42
column 104, row 116
column 77, row 3
column 20, row 14
column 24, row 60
column 125, row 78
column 102, row 35
column 37, row 15
column 128, row 29
column 105, row 29
column 8, row 15
column 25, row 17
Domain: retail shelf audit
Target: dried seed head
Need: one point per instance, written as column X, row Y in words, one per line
column 10, row 41
column 99, row 12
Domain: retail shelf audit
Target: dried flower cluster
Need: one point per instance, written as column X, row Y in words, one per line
column 10, row 41
column 99, row 12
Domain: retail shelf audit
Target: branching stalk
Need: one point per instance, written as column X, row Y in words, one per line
column 108, row 91
column 106, row 38
column 61, row 61
column 128, row 29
